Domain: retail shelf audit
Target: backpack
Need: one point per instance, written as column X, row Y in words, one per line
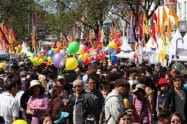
column 102, row 119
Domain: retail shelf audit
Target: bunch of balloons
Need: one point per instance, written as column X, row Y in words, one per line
column 115, row 45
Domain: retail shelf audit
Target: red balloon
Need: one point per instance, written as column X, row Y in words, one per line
column 85, row 49
column 102, row 55
column 118, row 50
column 119, row 34
column 96, row 58
column 117, row 42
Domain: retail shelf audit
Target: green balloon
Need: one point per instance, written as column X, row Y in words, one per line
column 73, row 47
column 28, row 49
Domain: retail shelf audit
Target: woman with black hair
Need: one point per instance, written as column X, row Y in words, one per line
column 37, row 103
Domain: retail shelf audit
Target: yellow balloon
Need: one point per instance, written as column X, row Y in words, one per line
column 3, row 65
column 71, row 63
column 49, row 59
column 112, row 45
column 85, row 56
column 19, row 122
column 80, row 51
column 81, row 57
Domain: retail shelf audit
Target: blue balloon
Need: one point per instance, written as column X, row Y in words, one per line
column 114, row 59
column 51, row 53
column 185, row 86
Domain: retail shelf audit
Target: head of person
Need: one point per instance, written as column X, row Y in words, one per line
column 36, row 88
column 78, row 86
column 177, row 82
column 92, row 82
column 164, row 118
column 139, row 91
column 127, row 117
column 176, row 119
column 126, row 88
column 119, row 86
column 11, row 86
column 61, row 81
column 163, row 84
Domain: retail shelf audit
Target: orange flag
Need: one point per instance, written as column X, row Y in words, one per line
column 113, row 33
column 169, row 28
column 173, row 13
column 164, row 15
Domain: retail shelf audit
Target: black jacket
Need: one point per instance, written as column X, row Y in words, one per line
column 170, row 102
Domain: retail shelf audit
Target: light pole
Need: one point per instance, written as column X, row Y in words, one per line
column 106, row 30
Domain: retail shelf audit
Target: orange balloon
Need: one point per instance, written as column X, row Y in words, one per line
column 19, row 47
column 56, row 50
column 39, row 56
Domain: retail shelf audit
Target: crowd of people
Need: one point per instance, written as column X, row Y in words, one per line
column 100, row 93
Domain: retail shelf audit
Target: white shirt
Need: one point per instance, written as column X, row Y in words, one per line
column 9, row 107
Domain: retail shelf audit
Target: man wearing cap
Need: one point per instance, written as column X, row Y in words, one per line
column 114, row 103
column 9, row 108
column 82, row 105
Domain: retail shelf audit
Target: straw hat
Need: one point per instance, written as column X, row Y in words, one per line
column 34, row 83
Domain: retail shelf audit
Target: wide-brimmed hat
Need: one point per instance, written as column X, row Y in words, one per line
column 139, row 87
column 34, row 83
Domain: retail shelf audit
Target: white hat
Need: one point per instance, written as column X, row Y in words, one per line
column 139, row 87
column 34, row 83
column 78, row 82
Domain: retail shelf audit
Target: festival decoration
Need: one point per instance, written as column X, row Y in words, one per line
column 71, row 63
column 59, row 60
column 73, row 47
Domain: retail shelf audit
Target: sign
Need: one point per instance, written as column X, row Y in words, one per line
column 183, row 26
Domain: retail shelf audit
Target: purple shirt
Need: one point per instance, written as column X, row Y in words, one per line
column 41, row 104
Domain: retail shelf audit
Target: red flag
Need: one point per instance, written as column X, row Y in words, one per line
column 154, row 17
column 153, row 32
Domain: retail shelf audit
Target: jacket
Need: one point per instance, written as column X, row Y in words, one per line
column 113, row 107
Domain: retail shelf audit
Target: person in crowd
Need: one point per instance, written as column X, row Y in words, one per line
column 114, row 107
column 164, row 117
column 9, row 108
column 127, row 117
column 141, row 105
column 1, row 85
column 96, row 95
column 23, row 75
column 55, row 108
column 104, row 87
column 81, row 104
column 176, row 100
column 163, row 88
column 176, row 118
column 37, row 103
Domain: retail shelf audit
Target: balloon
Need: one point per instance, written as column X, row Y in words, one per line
column 185, row 86
column 118, row 50
column 73, row 47
column 114, row 59
column 85, row 49
column 59, row 60
column 56, row 50
column 19, row 121
column 102, row 55
column 19, row 48
column 39, row 56
column 51, row 53
column 3, row 65
column 118, row 43
column 112, row 45
column 49, row 59
column 119, row 34
column 28, row 49
column 71, row 63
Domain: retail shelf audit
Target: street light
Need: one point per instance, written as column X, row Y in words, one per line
column 106, row 30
